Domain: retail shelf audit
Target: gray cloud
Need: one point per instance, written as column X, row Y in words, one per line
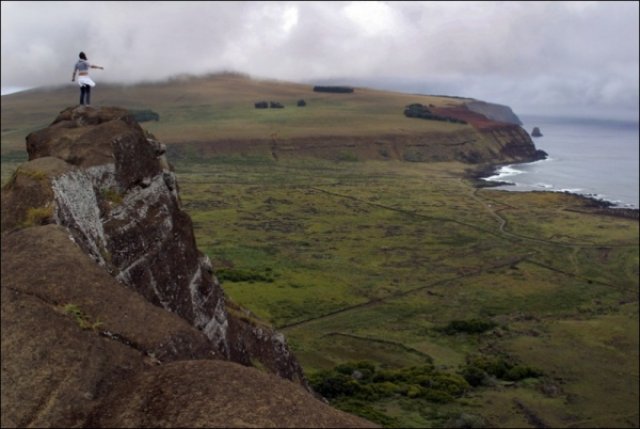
column 531, row 55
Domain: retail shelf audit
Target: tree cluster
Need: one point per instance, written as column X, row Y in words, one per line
column 418, row 110
column 334, row 89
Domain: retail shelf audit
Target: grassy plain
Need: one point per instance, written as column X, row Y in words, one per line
column 368, row 260
column 222, row 106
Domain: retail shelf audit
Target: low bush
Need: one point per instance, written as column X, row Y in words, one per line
column 479, row 368
column 37, row 216
column 472, row 326
column 361, row 380
column 334, row 89
column 233, row 275
column 417, row 110
column 81, row 318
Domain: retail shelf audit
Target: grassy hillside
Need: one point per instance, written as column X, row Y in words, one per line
column 222, row 106
column 398, row 264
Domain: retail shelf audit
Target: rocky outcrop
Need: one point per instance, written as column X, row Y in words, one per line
column 80, row 349
column 107, row 182
column 120, row 201
column 536, row 132
column 515, row 144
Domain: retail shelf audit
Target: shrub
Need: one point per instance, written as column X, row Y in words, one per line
column 417, row 110
column 332, row 385
column 473, row 375
column 37, row 216
column 472, row 326
column 422, row 382
column 333, row 89
column 437, row 396
column 478, row 368
column 81, row 318
column 454, row 385
column 520, row 372
column 233, row 275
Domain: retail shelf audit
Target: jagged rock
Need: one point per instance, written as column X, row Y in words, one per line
column 301, row 103
column 276, row 105
column 536, row 132
column 97, row 173
column 261, row 105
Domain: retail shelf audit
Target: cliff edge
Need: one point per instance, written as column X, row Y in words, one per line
column 111, row 316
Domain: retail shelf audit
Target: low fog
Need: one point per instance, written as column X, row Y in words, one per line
column 570, row 58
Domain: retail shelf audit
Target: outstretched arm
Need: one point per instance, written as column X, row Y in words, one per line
column 97, row 67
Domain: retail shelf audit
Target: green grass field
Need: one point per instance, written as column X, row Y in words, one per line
column 370, row 260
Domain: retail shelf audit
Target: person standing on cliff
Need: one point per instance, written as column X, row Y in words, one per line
column 86, row 83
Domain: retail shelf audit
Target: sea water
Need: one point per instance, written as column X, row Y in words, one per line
column 592, row 157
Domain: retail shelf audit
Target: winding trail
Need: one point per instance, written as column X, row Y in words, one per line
column 502, row 233
column 376, row 301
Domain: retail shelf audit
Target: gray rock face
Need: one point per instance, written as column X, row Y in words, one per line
column 119, row 199
column 123, row 208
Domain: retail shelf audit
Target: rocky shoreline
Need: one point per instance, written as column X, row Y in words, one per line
column 592, row 204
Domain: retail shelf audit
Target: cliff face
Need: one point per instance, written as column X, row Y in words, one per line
column 95, row 177
column 485, row 134
column 497, row 143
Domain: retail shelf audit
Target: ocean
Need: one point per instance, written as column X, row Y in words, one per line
column 592, row 157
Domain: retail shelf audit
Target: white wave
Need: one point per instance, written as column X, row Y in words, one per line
column 505, row 171
column 571, row 190
column 543, row 185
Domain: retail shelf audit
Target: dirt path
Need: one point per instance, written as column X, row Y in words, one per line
column 370, row 303
column 502, row 233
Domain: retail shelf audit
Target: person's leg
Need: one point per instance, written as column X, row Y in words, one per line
column 82, row 91
column 88, row 95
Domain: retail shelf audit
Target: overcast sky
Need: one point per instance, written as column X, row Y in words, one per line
column 534, row 56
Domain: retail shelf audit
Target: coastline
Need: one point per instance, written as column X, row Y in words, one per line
column 477, row 176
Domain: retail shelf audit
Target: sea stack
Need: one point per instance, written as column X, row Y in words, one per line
column 536, row 132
